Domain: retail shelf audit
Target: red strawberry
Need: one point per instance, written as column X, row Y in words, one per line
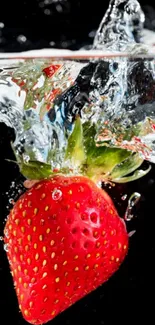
column 64, row 238
column 51, row 70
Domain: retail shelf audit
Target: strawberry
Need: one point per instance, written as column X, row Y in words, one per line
column 64, row 238
column 51, row 70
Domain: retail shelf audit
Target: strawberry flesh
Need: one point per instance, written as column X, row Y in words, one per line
column 64, row 238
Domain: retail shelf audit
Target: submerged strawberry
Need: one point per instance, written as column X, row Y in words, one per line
column 64, row 238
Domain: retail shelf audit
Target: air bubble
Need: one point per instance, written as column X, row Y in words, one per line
column 92, row 34
column 52, row 43
column 11, row 201
column 56, row 194
column 59, row 8
column 6, row 247
column 6, row 234
column 123, row 198
column 47, row 12
column 21, row 39
column 26, row 158
column 1, row 25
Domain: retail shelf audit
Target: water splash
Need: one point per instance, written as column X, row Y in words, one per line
column 122, row 101
column 29, row 111
column 116, row 95
column 133, row 200
column 121, row 25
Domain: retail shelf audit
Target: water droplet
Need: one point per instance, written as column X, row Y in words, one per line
column 64, row 44
column 133, row 200
column 59, row 8
column 47, row 12
column 11, row 201
column 52, row 43
column 56, row 194
column 131, row 233
column 6, row 247
column 21, row 39
column 92, row 34
column 123, row 198
column 6, row 234
column 26, row 158
column 99, row 184
column 12, row 185
column 1, row 25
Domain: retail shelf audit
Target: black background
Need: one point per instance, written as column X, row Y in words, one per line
column 63, row 23
column 128, row 297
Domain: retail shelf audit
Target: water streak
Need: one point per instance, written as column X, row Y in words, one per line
column 133, row 200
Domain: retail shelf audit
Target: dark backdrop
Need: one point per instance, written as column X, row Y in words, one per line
column 53, row 23
column 128, row 297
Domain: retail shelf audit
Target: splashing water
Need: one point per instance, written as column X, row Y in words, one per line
column 121, row 26
column 114, row 94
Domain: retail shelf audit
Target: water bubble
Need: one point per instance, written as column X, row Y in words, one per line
column 1, row 238
column 6, row 247
column 99, row 184
column 43, row 3
column 59, row 8
column 56, row 194
column 6, row 233
column 123, row 198
column 26, row 158
column 11, row 201
column 64, row 44
column 52, row 43
column 107, row 97
column 92, row 34
column 1, row 25
column 21, row 39
column 132, row 7
column 133, row 200
column 12, row 184
column 47, row 12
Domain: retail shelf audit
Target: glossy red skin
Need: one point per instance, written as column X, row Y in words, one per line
column 51, row 70
column 63, row 248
